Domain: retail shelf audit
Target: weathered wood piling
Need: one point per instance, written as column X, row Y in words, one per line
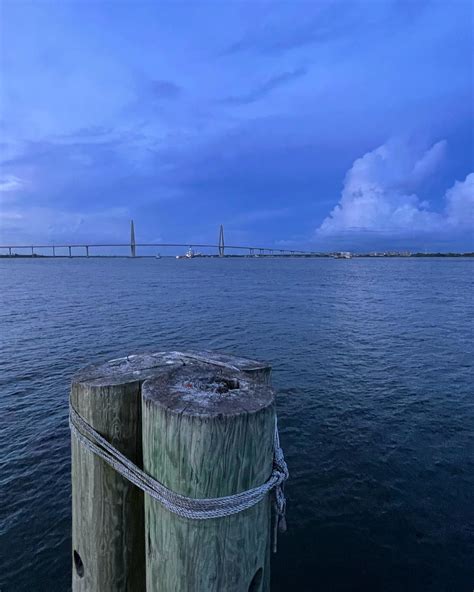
column 107, row 510
column 200, row 423
column 207, row 435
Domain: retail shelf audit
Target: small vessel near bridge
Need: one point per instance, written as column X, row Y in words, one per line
column 190, row 254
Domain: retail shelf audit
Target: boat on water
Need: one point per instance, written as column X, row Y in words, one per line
column 190, row 254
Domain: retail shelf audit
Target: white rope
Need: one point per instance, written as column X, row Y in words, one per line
column 187, row 507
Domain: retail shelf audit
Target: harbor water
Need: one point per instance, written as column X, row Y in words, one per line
column 372, row 362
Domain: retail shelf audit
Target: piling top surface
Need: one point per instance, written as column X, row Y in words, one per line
column 128, row 369
column 203, row 391
column 141, row 367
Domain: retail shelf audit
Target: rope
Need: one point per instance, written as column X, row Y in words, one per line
column 181, row 505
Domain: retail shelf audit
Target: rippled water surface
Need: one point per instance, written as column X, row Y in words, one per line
column 372, row 361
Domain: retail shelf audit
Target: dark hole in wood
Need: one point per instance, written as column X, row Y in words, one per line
column 78, row 564
column 215, row 383
column 149, row 543
column 256, row 583
column 231, row 383
column 227, row 384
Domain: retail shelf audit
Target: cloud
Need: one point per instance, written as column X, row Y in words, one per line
column 266, row 88
column 460, row 203
column 253, row 216
column 164, row 89
column 49, row 225
column 324, row 23
column 10, row 183
column 429, row 161
column 376, row 197
column 278, row 34
column 89, row 167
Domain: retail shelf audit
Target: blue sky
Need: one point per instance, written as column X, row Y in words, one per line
column 322, row 125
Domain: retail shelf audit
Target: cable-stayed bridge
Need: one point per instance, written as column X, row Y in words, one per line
column 131, row 249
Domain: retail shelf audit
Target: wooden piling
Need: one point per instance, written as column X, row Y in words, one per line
column 107, row 510
column 208, row 432
column 108, row 536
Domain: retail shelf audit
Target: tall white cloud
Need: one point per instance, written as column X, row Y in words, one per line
column 379, row 195
column 460, row 203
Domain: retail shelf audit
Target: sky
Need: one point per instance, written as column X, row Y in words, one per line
column 334, row 125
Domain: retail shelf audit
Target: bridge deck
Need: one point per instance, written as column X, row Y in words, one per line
column 218, row 248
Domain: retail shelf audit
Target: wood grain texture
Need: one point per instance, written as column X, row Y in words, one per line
column 108, row 552
column 208, row 433
column 108, row 526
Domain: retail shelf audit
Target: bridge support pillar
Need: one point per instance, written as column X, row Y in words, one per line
column 10, row 251
column 221, row 242
column 87, row 251
column 133, row 249
column 70, row 254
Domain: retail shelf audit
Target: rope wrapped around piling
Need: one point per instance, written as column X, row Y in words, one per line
column 187, row 507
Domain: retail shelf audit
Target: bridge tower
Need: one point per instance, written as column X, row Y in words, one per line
column 221, row 242
column 132, row 239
